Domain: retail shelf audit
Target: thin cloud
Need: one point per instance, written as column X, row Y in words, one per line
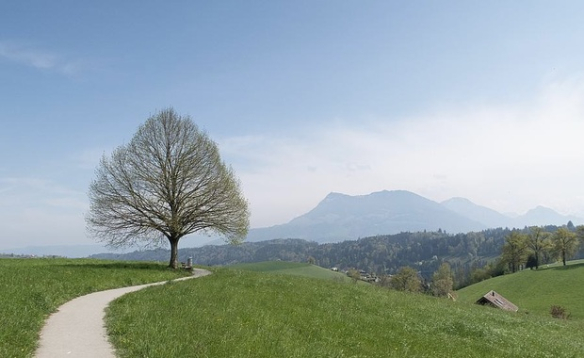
column 39, row 59
column 508, row 157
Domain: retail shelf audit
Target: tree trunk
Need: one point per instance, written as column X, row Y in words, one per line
column 173, row 253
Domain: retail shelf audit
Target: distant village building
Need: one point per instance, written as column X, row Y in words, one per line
column 362, row 275
column 494, row 299
column 367, row 277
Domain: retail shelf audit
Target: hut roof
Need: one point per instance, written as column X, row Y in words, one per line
column 494, row 299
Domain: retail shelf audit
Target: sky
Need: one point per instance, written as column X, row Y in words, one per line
column 481, row 100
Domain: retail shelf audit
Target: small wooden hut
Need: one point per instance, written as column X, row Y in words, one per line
column 494, row 299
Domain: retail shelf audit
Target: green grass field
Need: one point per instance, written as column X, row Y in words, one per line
column 31, row 289
column 280, row 309
column 238, row 313
column 292, row 268
column 535, row 291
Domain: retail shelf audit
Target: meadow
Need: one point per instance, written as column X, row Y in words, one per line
column 292, row 268
column 534, row 291
column 281, row 309
column 31, row 289
column 245, row 313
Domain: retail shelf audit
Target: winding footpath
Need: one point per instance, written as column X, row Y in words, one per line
column 77, row 329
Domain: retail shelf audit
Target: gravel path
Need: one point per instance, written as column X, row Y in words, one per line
column 77, row 328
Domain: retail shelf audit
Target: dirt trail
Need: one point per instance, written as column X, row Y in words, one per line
column 77, row 328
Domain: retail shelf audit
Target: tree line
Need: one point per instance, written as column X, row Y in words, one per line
column 472, row 256
column 527, row 248
column 440, row 284
column 536, row 246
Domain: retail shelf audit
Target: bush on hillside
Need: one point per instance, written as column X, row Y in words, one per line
column 559, row 312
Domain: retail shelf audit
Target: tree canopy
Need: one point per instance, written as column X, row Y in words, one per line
column 407, row 279
column 168, row 182
column 538, row 243
column 514, row 251
column 565, row 244
column 442, row 282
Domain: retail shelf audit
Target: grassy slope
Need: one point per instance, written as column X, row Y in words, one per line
column 291, row 268
column 236, row 313
column 535, row 291
column 33, row 288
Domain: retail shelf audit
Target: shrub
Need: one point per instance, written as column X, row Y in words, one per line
column 559, row 312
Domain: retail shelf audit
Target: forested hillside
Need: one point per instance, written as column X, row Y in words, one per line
column 383, row 254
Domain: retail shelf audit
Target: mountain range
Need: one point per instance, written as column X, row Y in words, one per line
column 339, row 217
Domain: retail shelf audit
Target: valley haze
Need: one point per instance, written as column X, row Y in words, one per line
column 339, row 217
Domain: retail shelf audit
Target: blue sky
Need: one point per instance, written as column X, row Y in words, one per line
column 483, row 100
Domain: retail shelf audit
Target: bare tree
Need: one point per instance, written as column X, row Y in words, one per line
column 168, row 182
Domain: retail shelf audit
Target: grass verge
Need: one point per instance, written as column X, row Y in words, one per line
column 236, row 313
column 31, row 289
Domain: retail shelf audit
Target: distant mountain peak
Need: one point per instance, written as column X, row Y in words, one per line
column 393, row 192
column 377, row 195
column 341, row 217
column 332, row 198
column 334, row 194
column 457, row 199
column 541, row 208
column 542, row 215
